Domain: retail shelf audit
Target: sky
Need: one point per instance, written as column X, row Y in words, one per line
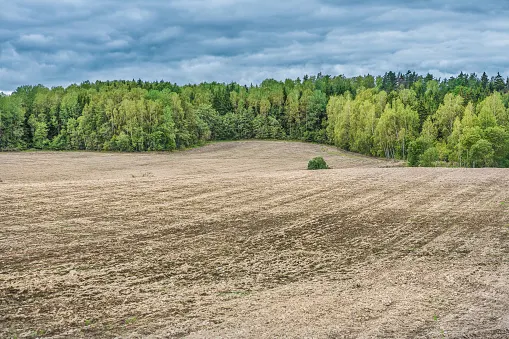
column 56, row 43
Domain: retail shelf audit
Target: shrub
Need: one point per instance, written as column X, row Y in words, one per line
column 317, row 163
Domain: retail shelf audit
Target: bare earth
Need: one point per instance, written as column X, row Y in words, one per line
column 238, row 239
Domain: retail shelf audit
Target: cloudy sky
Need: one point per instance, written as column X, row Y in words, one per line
column 188, row 41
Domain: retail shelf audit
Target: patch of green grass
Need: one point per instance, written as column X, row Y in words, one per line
column 38, row 333
column 130, row 320
column 88, row 322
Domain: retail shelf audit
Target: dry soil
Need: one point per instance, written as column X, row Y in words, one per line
column 239, row 240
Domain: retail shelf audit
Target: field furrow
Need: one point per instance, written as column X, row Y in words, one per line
column 240, row 240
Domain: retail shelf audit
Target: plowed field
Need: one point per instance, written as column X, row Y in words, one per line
column 239, row 240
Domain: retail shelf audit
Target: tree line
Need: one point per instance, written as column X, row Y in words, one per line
column 459, row 121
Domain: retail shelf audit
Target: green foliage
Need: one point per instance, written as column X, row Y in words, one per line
column 415, row 149
column 462, row 120
column 396, row 128
column 12, row 117
column 448, row 112
column 130, row 320
column 481, row 153
column 429, row 158
column 317, row 164
column 499, row 139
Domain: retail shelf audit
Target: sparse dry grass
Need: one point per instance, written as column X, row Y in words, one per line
column 240, row 240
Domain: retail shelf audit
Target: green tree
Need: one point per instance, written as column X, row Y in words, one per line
column 498, row 83
column 398, row 126
column 429, row 158
column 292, row 112
column 481, row 153
column 499, row 140
column 447, row 112
column 12, row 116
column 492, row 112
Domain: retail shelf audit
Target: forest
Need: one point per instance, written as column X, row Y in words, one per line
column 427, row 121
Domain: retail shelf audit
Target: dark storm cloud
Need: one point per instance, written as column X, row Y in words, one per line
column 57, row 43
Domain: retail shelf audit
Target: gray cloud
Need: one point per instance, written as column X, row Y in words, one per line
column 58, row 43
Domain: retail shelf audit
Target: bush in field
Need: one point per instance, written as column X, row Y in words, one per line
column 317, row 163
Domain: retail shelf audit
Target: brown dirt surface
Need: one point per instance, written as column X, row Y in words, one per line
column 239, row 240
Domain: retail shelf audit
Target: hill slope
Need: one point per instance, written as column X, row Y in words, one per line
column 239, row 240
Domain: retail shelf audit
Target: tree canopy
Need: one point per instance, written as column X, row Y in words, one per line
column 461, row 121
